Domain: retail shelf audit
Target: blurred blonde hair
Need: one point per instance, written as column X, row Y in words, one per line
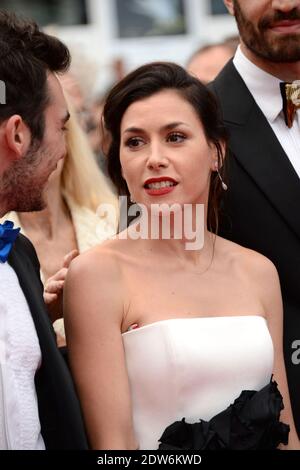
column 81, row 177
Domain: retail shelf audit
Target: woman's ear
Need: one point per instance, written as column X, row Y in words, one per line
column 17, row 137
column 218, row 157
column 223, row 152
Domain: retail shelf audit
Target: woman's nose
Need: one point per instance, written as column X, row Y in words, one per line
column 157, row 158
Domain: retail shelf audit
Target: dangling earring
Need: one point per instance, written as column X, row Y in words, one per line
column 131, row 199
column 224, row 185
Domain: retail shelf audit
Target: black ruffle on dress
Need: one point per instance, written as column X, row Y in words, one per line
column 250, row 423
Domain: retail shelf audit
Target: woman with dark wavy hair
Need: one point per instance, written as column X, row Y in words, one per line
column 173, row 332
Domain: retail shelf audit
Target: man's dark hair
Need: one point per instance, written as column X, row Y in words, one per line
column 26, row 55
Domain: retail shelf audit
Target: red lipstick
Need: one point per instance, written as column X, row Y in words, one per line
column 160, row 189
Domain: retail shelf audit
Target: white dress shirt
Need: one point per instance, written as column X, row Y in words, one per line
column 20, row 357
column 265, row 90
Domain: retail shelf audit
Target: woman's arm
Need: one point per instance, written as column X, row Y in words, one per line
column 93, row 309
column 271, row 295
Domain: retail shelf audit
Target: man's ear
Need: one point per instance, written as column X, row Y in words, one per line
column 229, row 5
column 17, row 137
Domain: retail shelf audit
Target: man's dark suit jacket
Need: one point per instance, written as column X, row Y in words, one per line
column 59, row 411
column 262, row 205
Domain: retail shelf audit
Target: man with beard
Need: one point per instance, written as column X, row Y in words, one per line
column 38, row 405
column 259, row 97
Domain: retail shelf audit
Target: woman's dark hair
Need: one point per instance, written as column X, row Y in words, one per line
column 146, row 81
column 26, row 55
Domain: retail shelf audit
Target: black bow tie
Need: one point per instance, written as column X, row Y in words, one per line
column 290, row 93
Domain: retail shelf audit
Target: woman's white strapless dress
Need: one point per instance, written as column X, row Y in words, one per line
column 193, row 368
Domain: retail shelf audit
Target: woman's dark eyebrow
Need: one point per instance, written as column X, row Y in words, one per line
column 170, row 126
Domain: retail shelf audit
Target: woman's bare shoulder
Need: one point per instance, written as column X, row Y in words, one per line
column 105, row 256
column 254, row 264
column 94, row 285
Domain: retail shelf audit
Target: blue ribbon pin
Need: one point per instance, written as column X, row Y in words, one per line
column 8, row 235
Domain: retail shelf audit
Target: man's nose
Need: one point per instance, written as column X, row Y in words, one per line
column 285, row 5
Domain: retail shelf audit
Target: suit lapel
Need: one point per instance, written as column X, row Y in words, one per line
column 256, row 147
column 32, row 290
column 59, row 410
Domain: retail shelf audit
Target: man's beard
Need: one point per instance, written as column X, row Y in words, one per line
column 20, row 189
column 262, row 42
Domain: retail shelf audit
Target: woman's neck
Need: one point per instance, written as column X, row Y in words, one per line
column 188, row 252
column 183, row 229
column 193, row 247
